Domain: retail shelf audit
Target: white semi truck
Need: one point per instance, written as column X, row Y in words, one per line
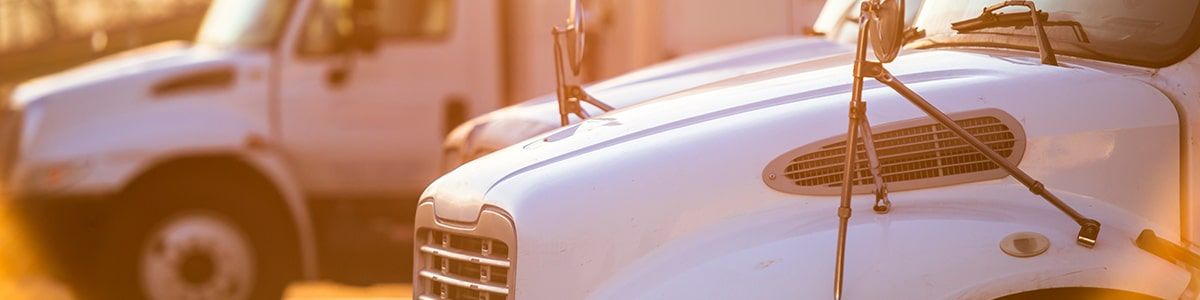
column 265, row 151
column 732, row 190
column 279, row 146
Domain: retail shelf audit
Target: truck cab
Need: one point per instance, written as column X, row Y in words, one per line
column 256, row 155
column 731, row 190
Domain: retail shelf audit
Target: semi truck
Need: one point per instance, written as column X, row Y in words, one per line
column 270, row 147
column 754, row 187
column 286, row 142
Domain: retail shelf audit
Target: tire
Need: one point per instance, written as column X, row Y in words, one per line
column 218, row 239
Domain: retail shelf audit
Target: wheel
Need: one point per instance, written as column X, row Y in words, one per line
column 181, row 240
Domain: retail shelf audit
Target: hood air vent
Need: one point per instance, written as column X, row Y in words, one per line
column 913, row 154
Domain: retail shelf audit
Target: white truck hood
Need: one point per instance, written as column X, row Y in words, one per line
column 538, row 115
column 462, row 193
column 121, row 73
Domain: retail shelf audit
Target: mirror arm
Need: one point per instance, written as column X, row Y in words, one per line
column 844, row 210
column 570, row 93
column 1089, row 229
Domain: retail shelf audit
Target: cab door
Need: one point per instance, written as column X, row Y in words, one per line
column 358, row 122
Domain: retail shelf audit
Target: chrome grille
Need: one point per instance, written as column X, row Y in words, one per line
column 913, row 154
column 453, row 263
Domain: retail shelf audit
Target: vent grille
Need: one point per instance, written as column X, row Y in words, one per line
column 469, row 264
column 912, row 154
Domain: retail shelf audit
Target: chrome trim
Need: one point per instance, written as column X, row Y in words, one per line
column 430, row 257
column 455, row 280
column 463, row 256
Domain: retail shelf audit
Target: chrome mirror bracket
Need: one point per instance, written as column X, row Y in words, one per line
column 570, row 92
column 874, row 13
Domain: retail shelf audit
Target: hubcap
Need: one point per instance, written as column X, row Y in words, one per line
column 197, row 255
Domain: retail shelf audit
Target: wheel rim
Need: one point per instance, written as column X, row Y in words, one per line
column 197, row 255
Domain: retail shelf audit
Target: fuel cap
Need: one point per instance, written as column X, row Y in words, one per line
column 1024, row 244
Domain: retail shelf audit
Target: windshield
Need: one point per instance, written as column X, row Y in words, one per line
column 1150, row 33
column 243, row 23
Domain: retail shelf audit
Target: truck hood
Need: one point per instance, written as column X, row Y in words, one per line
column 461, row 194
column 633, row 87
column 131, row 71
column 526, row 119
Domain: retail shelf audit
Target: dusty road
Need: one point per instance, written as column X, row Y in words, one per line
column 40, row 288
column 20, row 277
column 327, row 291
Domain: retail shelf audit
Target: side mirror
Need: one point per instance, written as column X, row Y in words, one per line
column 366, row 26
column 575, row 36
column 569, row 38
column 887, row 28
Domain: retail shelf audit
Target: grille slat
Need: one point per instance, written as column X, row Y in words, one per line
column 459, row 266
column 913, row 154
column 463, row 256
column 464, row 283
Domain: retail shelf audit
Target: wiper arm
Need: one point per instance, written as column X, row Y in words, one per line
column 1017, row 20
column 990, row 19
column 997, row 20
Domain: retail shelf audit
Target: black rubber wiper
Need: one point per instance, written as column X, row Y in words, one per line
column 997, row 20
column 1018, row 20
column 1038, row 19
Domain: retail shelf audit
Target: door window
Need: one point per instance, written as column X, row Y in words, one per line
column 414, row 19
column 326, row 28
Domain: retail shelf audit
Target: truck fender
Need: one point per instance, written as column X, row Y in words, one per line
column 108, row 162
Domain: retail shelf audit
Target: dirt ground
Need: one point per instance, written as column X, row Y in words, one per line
column 328, row 291
column 20, row 277
column 41, row 288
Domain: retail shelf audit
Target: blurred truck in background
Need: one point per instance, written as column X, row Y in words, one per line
column 39, row 37
column 229, row 166
column 826, row 40
column 287, row 142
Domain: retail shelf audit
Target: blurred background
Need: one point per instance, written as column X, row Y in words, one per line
column 45, row 37
column 40, row 37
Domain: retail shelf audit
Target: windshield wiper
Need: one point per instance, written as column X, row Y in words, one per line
column 990, row 19
column 1017, row 21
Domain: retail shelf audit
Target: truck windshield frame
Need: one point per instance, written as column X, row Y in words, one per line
column 1150, row 34
column 244, row 23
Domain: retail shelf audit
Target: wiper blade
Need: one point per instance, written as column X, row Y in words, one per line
column 990, row 19
column 997, row 20
column 1016, row 20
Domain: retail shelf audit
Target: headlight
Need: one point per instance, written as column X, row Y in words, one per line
column 56, row 176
